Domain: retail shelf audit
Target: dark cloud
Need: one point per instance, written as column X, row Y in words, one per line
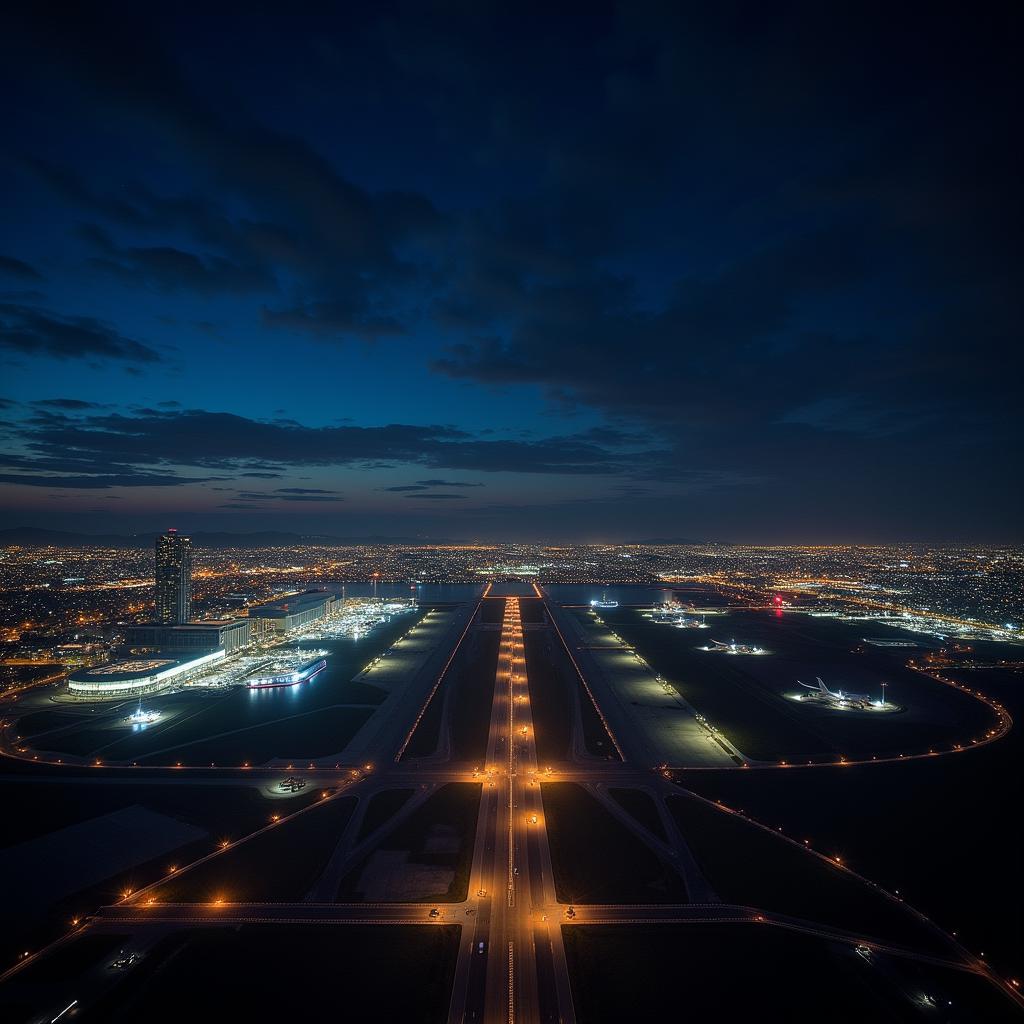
column 773, row 254
column 438, row 497
column 334, row 318
column 311, row 497
column 100, row 481
column 291, row 494
column 30, row 331
column 19, row 268
column 171, row 268
column 445, row 483
column 67, row 404
column 344, row 246
column 224, row 440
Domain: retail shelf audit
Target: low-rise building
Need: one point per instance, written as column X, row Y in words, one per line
column 295, row 611
column 136, row 676
column 228, row 635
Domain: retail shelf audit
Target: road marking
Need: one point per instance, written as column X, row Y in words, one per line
column 511, row 985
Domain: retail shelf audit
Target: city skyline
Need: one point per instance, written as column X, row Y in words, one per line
column 511, row 513
column 640, row 274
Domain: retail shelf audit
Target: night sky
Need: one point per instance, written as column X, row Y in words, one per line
column 461, row 271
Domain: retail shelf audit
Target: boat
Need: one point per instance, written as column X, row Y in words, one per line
column 604, row 602
column 290, row 678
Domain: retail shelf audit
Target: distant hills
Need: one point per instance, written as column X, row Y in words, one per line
column 31, row 536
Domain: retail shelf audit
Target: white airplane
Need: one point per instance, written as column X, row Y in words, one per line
column 734, row 648
column 835, row 696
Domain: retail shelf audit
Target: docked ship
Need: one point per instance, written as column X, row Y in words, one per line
column 292, row 677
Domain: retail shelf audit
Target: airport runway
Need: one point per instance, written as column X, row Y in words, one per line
column 511, row 964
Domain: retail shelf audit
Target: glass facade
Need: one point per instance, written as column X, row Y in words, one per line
column 173, row 578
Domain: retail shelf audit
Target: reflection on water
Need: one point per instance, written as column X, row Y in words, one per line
column 440, row 592
column 627, row 594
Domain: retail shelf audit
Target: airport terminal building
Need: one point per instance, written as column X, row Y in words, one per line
column 228, row 635
column 137, row 676
column 290, row 613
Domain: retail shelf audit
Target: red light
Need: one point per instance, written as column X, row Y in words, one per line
column 778, row 599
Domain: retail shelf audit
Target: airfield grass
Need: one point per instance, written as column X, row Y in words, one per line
column 469, row 688
column 453, row 808
column 492, row 610
column 31, row 987
column 282, row 864
column 750, row 866
column 598, row 860
column 474, row 691
column 550, row 698
column 531, row 610
column 743, row 971
column 595, row 736
column 55, row 719
column 641, row 806
column 427, row 734
column 37, row 808
column 383, row 807
column 318, row 734
column 282, row 972
column 744, row 696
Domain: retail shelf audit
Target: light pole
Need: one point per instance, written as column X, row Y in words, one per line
column 884, row 685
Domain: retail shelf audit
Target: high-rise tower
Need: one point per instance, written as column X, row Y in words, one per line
column 173, row 578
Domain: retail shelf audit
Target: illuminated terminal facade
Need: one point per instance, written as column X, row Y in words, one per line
column 138, row 675
column 290, row 613
column 228, row 635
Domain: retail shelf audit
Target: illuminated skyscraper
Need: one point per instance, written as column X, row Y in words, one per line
column 173, row 578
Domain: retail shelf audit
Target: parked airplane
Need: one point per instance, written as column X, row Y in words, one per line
column 822, row 692
column 733, row 648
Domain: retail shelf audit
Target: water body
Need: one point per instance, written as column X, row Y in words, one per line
column 626, row 594
column 437, row 593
